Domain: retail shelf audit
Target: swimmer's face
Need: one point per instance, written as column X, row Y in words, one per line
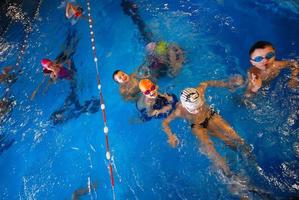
column 121, row 77
column 151, row 92
column 193, row 108
column 263, row 58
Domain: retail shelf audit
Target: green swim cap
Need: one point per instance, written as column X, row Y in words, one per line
column 161, row 48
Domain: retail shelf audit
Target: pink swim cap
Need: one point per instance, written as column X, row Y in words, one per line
column 46, row 62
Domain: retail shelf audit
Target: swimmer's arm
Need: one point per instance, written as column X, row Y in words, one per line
column 166, row 122
column 172, row 139
column 216, row 84
column 53, row 77
column 67, row 10
column 204, row 85
column 165, row 109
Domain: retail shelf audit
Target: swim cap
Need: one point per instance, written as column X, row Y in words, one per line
column 150, row 47
column 161, row 48
column 145, row 84
column 46, row 62
column 191, row 100
column 78, row 13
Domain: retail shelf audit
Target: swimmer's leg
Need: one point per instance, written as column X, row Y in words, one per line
column 219, row 122
column 208, row 148
column 227, row 140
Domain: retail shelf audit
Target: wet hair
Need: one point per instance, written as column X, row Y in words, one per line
column 79, row 9
column 114, row 73
column 260, row 45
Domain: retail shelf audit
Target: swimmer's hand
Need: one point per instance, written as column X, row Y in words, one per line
column 293, row 83
column 235, row 82
column 53, row 77
column 173, row 140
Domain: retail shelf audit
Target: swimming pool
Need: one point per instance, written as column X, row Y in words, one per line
column 42, row 160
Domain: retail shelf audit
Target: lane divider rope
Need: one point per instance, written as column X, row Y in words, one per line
column 106, row 130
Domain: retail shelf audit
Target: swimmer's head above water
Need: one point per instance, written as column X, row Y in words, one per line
column 191, row 100
column 148, row 88
column 120, row 77
column 262, row 55
column 46, row 63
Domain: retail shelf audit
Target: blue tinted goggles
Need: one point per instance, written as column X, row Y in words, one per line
column 260, row 58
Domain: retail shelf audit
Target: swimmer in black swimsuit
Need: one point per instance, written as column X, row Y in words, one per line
column 204, row 120
column 205, row 123
column 153, row 104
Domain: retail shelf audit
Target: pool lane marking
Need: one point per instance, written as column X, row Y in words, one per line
column 106, row 130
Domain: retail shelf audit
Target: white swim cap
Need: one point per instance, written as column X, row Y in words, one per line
column 191, row 100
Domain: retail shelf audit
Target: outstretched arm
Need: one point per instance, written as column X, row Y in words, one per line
column 68, row 10
column 204, row 85
column 172, row 139
column 232, row 83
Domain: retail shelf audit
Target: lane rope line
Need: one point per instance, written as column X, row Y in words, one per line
column 106, row 130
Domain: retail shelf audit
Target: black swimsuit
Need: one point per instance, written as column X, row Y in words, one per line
column 205, row 123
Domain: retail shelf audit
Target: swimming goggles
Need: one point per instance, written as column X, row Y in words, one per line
column 146, row 92
column 260, row 58
column 192, row 97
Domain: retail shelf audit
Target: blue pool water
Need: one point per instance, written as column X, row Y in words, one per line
column 42, row 160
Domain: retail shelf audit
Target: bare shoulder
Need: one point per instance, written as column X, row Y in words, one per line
column 282, row 63
column 179, row 110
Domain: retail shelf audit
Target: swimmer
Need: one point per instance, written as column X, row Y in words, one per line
column 164, row 59
column 265, row 67
column 56, row 70
column 128, row 85
column 6, row 76
column 205, row 122
column 73, row 11
column 153, row 104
